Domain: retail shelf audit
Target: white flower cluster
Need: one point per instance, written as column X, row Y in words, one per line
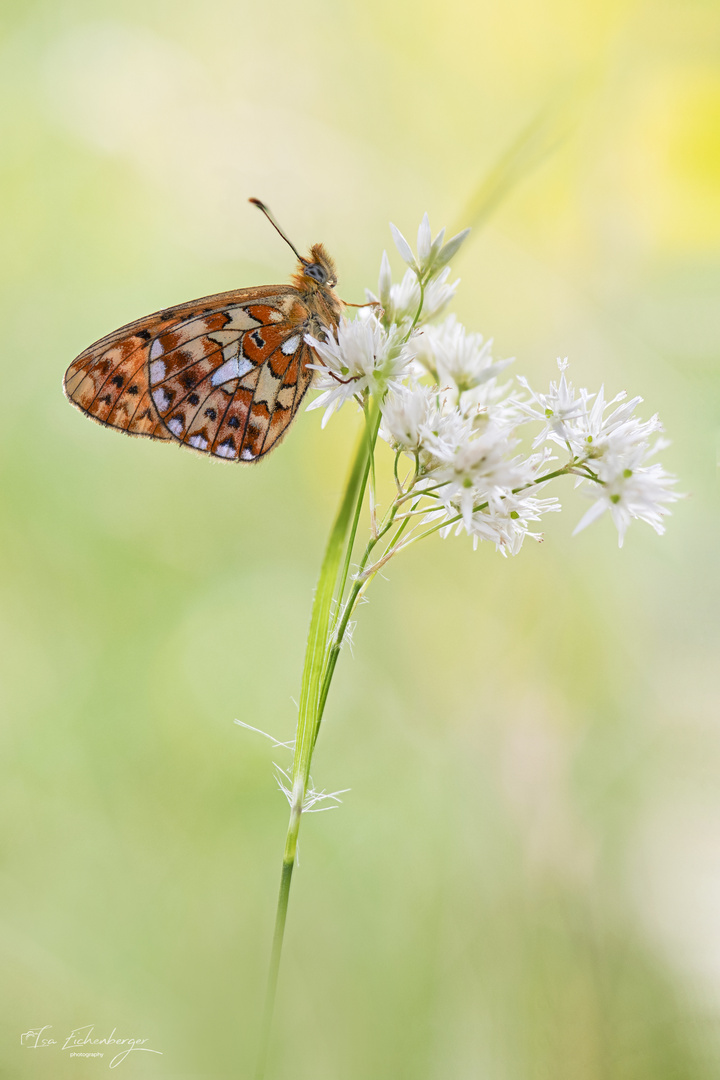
column 363, row 357
column 612, row 448
column 443, row 409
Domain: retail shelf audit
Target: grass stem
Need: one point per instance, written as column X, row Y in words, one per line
column 317, row 673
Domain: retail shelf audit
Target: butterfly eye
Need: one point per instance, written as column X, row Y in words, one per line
column 314, row 270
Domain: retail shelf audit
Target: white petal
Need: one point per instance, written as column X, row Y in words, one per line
column 402, row 245
column 595, row 511
column 451, row 248
column 424, row 241
column 385, row 282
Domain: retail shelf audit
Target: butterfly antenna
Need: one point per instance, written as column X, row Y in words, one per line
column 273, row 222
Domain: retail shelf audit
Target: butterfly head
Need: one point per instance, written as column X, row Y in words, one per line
column 317, row 271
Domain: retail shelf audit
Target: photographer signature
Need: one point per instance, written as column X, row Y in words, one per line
column 81, row 1042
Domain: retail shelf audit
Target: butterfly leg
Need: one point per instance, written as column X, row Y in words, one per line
column 370, row 303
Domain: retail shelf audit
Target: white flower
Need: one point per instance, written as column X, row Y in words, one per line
column 505, row 521
column 450, row 354
column 407, row 415
column 574, row 420
column 462, row 432
column 421, row 419
column 614, row 446
column 629, row 488
column 432, row 255
column 593, row 435
column 478, row 468
column 559, row 408
column 400, row 302
column 360, row 356
column 438, row 294
column 447, row 430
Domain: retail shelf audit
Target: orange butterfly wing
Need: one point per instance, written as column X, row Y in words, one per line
column 224, row 375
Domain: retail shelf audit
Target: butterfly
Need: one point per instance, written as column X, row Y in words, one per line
column 223, row 375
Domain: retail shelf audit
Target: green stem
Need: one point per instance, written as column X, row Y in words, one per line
column 331, row 582
column 345, row 613
column 278, row 935
column 372, row 426
column 321, row 656
column 418, row 313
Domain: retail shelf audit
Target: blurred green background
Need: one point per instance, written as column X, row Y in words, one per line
column 524, row 881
